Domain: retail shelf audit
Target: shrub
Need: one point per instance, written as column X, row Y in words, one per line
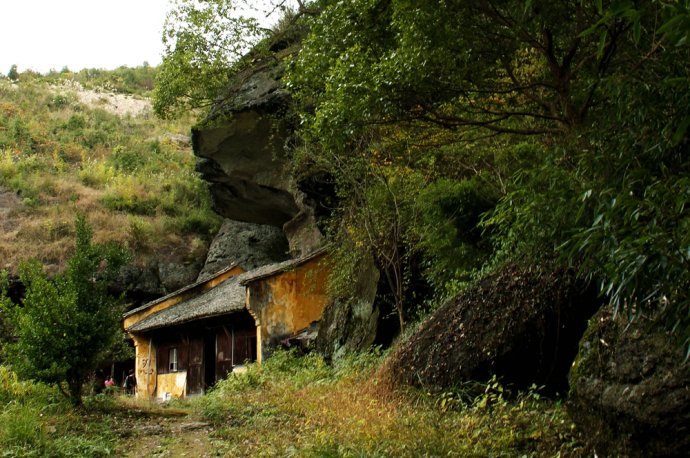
column 66, row 324
column 139, row 233
column 127, row 194
column 197, row 221
column 96, row 174
column 61, row 101
column 125, row 160
column 75, row 123
column 10, row 386
column 138, row 205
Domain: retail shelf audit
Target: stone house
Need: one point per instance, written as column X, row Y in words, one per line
column 188, row 340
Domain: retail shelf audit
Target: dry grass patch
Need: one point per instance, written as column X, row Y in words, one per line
column 61, row 158
column 302, row 407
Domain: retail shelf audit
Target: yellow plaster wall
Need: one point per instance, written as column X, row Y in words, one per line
column 145, row 367
column 172, row 385
column 297, row 298
column 149, row 383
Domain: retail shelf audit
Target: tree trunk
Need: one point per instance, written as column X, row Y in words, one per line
column 75, row 388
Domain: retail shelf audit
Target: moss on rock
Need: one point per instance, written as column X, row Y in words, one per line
column 521, row 324
column 630, row 388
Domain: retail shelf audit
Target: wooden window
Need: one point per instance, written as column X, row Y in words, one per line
column 173, row 362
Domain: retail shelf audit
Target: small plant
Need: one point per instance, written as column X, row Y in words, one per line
column 21, row 430
column 493, row 394
column 126, row 161
column 96, row 174
column 138, row 233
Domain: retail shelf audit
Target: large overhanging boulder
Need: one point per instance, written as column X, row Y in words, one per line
column 241, row 151
column 522, row 325
column 630, row 388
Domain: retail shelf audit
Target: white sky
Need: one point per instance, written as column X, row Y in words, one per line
column 50, row 34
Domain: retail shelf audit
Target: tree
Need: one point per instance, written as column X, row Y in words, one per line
column 592, row 96
column 13, row 74
column 66, row 325
column 204, row 43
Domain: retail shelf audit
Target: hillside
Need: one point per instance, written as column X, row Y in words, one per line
column 500, row 192
column 68, row 148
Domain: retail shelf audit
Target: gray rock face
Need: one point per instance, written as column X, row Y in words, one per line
column 249, row 245
column 241, row 151
column 174, row 276
column 348, row 326
column 630, row 389
column 155, row 279
column 244, row 163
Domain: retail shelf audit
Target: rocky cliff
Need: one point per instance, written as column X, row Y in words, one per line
column 241, row 153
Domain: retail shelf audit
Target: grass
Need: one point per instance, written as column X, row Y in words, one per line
column 290, row 407
column 306, row 408
column 135, row 184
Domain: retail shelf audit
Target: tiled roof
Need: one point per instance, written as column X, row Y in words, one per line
column 179, row 291
column 225, row 298
column 273, row 269
column 228, row 297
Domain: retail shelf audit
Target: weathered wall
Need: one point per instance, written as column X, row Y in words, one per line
column 144, row 347
column 288, row 302
column 145, row 367
column 172, row 385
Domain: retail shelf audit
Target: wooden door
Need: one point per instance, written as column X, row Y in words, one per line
column 245, row 346
column 195, row 366
column 224, row 353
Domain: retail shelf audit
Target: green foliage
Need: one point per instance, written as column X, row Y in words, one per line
column 61, row 156
column 21, row 431
column 123, row 80
column 610, row 200
column 202, row 40
column 535, row 215
column 36, row 421
column 13, row 74
column 450, row 234
column 65, row 325
column 131, row 203
column 431, row 116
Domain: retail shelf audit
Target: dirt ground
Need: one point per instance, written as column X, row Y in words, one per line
column 165, row 433
column 120, row 104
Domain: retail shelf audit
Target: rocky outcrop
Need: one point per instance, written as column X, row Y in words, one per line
column 630, row 389
column 241, row 151
column 246, row 244
column 351, row 325
column 522, row 325
column 155, row 279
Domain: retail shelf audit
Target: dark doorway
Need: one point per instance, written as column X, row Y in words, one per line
column 234, row 346
column 209, row 359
